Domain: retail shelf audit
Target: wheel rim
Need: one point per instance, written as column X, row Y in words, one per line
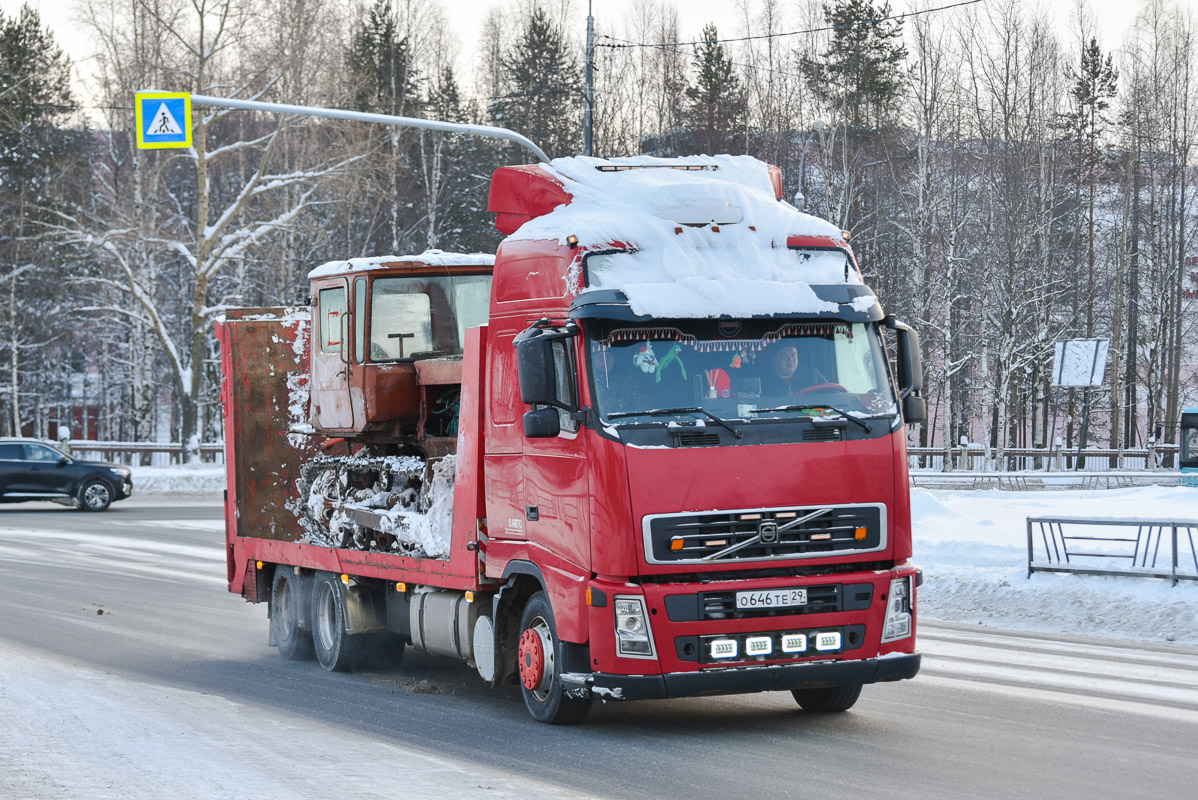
column 326, row 613
column 285, row 611
column 96, row 495
column 536, row 659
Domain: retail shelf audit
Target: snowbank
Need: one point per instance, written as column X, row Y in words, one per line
column 197, row 479
column 972, row 547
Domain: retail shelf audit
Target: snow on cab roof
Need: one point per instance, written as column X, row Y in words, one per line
column 433, row 258
column 707, row 237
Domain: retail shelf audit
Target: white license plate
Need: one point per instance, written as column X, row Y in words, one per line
column 771, row 598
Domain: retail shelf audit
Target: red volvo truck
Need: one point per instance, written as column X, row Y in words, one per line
column 653, row 448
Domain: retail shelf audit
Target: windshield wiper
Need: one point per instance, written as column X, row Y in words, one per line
column 805, row 406
column 657, row 412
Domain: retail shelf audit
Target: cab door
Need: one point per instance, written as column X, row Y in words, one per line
column 355, row 369
column 555, row 470
column 332, row 332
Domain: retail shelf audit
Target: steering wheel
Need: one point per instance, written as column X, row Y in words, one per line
column 821, row 387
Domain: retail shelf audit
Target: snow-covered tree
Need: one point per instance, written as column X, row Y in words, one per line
column 170, row 229
column 37, row 153
column 715, row 113
column 543, row 86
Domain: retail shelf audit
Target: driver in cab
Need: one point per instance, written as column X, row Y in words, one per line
column 782, row 374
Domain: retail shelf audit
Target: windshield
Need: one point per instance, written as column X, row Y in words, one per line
column 425, row 316
column 752, row 370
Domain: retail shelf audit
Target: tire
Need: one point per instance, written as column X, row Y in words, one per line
column 538, row 655
column 95, row 495
column 828, row 699
column 289, row 626
column 335, row 649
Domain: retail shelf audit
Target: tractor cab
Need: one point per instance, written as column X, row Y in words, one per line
column 1188, row 452
column 387, row 340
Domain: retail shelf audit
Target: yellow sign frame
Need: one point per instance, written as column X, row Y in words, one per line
column 185, row 122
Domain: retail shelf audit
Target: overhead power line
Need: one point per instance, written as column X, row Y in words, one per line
column 625, row 43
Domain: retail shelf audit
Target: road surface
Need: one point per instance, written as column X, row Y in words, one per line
column 127, row 668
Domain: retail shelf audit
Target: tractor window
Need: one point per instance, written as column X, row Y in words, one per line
column 425, row 317
column 401, row 325
column 332, row 311
column 472, row 302
column 360, row 320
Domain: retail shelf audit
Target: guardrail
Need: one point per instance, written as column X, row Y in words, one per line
column 1038, row 459
column 1031, row 481
column 1083, row 550
column 161, row 454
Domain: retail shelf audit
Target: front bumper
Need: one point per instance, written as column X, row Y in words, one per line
column 743, row 680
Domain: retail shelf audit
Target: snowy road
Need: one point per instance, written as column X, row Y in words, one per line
column 172, row 692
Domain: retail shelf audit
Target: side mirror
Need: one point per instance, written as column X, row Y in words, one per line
column 915, row 410
column 542, row 423
column 537, row 367
column 910, row 371
column 63, row 461
column 538, row 374
column 910, row 363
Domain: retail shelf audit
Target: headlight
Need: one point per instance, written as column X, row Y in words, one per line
column 898, row 610
column 122, row 471
column 633, row 636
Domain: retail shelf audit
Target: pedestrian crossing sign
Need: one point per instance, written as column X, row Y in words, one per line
column 163, row 120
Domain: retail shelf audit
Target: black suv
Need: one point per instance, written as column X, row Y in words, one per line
column 33, row 470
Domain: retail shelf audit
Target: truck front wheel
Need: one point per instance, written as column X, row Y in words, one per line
column 287, row 623
column 335, row 649
column 826, row 699
column 539, row 654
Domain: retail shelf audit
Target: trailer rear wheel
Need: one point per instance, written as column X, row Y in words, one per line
column 287, row 622
column 336, row 650
column 827, row 699
column 539, row 655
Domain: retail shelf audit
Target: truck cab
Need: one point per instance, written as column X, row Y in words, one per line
column 705, row 466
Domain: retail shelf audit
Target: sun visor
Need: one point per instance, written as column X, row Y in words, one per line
column 855, row 303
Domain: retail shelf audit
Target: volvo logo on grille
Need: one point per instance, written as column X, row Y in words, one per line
column 767, row 532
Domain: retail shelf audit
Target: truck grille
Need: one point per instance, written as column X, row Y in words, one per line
column 722, row 604
column 721, row 537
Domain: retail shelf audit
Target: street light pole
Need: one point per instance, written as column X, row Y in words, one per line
column 801, row 198
column 381, row 119
column 588, row 97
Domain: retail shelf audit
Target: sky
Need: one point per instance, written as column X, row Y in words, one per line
column 1113, row 17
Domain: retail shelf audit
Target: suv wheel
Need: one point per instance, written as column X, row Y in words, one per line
column 95, row 495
